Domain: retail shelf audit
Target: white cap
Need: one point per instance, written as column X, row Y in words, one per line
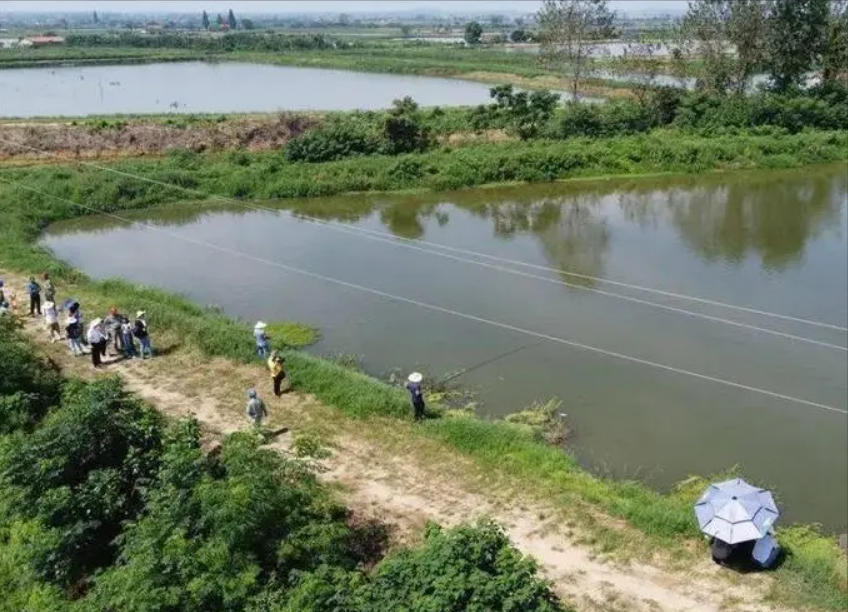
column 96, row 322
column 48, row 305
column 416, row 377
column 140, row 314
column 260, row 325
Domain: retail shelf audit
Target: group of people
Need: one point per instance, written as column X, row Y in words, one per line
column 115, row 328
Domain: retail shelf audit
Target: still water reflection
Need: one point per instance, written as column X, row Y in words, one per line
column 774, row 242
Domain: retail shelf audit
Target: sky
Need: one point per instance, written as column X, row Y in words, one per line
column 315, row 6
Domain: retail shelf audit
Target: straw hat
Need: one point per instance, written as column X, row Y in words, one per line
column 140, row 314
column 416, row 377
column 261, row 325
column 48, row 305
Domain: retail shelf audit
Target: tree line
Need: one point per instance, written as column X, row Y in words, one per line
column 720, row 43
column 237, row 41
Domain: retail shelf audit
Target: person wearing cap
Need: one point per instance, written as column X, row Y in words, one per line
column 256, row 409
column 141, row 332
column 262, row 340
column 127, row 340
column 113, row 322
column 277, row 366
column 49, row 289
column 97, row 339
column 34, row 292
column 51, row 321
column 413, row 385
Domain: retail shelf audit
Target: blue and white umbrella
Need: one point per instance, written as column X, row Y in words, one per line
column 735, row 511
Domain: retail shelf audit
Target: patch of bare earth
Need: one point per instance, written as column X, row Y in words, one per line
column 405, row 492
column 135, row 138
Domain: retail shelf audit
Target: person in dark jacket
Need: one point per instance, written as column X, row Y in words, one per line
column 34, row 291
column 141, row 332
column 413, row 385
column 113, row 323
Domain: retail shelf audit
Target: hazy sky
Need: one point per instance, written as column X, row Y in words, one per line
column 314, row 6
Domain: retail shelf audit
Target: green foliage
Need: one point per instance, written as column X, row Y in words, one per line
column 473, row 33
column 523, row 113
column 469, row 568
column 237, row 41
column 81, row 474
column 519, row 36
column 335, row 140
column 797, row 37
column 404, row 130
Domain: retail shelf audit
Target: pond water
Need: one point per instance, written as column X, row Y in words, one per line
column 772, row 242
column 198, row 87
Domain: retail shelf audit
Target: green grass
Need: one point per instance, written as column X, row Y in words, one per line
column 815, row 571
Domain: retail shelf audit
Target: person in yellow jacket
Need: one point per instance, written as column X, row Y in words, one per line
column 277, row 366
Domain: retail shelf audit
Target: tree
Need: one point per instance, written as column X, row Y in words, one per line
column 95, row 18
column 247, row 24
column 404, row 129
column 569, row 31
column 642, row 67
column 231, row 20
column 473, row 33
column 835, row 53
column 405, row 30
column 518, row 36
column 797, row 33
column 728, row 37
column 205, row 20
column 344, row 20
column 219, row 21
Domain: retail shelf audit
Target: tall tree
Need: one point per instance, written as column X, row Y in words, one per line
column 473, row 32
column 205, row 20
column 219, row 21
column 797, row 33
column 729, row 38
column 569, row 31
column 96, row 19
column 835, row 54
column 231, row 20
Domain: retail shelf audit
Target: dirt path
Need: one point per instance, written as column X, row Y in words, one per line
column 397, row 490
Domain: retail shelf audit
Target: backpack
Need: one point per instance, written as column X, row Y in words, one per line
column 73, row 330
column 139, row 329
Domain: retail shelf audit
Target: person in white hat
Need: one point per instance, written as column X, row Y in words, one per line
column 51, row 320
column 97, row 339
column 141, row 332
column 413, row 385
column 263, row 342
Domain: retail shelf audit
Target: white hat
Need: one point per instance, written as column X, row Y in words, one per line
column 260, row 325
column 96, row 322
column 416, row 377
column 140, row 314
column 48, row 305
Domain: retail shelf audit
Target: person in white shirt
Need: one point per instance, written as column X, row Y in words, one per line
column 51, row 321
column 97, row 338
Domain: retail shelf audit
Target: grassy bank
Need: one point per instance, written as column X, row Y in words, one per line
column 815, row 571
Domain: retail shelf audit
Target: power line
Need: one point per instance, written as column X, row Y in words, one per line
column 440, row 309
column 408, row 243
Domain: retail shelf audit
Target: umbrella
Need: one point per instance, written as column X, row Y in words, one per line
column 735, row 511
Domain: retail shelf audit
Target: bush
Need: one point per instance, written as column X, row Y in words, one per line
column 404, row 130
column 336, row 140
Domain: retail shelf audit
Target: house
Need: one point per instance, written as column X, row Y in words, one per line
column 8, row 43
column 41, row 41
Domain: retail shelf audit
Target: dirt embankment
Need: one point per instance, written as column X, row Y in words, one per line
column 105, row 139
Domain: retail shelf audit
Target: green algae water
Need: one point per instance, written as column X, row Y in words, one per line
column 773, row 242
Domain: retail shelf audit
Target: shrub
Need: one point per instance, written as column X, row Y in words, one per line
column 336, row 140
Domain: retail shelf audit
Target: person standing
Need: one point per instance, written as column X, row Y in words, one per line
column 97, row 339
column 413, row 385
column 262, row 340
column 73, row 331
column 277, row 366
column 256, row 409
column 127, row 340
column 49, row 289
column 34, row 291
column 113, row 323
column 51, row 320
column 141, row 332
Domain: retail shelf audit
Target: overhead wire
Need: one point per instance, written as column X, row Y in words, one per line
column 406, row 243
column 443, row 310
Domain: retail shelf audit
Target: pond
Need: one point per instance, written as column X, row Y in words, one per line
column 522, row 269
column 198, row 87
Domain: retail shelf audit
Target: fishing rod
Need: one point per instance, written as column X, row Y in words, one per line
column 488, row 361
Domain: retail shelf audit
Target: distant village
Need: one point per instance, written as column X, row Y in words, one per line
column 31, row 41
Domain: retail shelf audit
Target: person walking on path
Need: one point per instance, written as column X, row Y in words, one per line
column 73, row 331
column 51, row 321
column 49, row 289
column 256, row 409
column 113, row 323
column 413, row 385
column 277, row 366
column 34, row 291
column 97, row 339
column 127, row 340
column 141, row 332
column 262, row 340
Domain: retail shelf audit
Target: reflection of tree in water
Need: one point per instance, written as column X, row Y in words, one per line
column 736, row 218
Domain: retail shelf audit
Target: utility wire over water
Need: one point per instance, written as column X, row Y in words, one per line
column 413, row 245
column 440, row 309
